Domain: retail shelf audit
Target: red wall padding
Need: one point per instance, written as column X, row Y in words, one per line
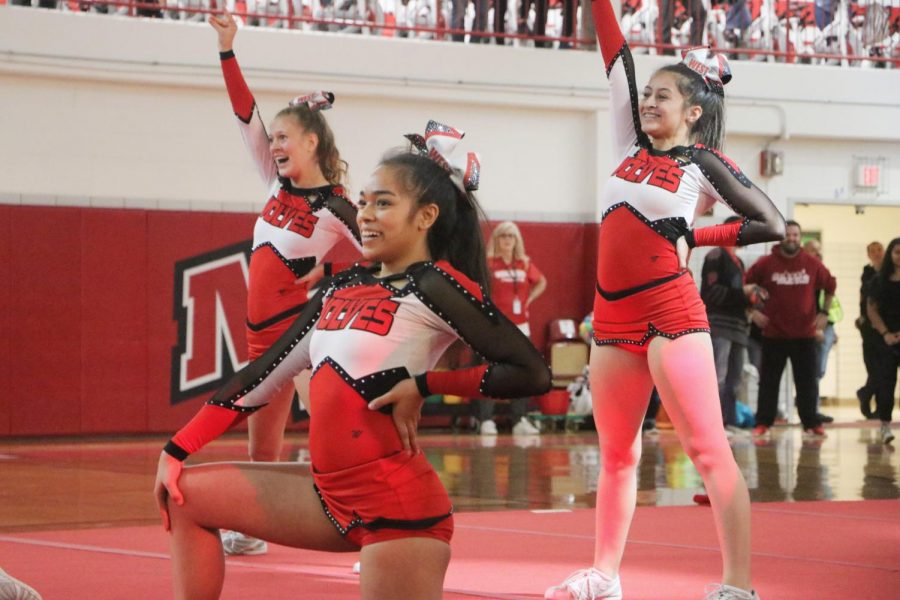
column 87, row 310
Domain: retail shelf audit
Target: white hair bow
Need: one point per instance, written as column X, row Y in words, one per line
column 439, row 144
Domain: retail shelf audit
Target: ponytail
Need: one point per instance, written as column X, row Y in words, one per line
column 456, row 234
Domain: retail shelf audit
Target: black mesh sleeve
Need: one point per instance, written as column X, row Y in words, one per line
column 515, row 368
column 762, row 220
column 346, row 212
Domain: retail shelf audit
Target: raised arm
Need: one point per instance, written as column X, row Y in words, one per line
column 514, row 367
column 726, row 183
column 253, row 131
column 626, row 124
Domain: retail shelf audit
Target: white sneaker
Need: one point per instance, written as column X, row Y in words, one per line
column 13, row 589
column 720, row 591
column 887, row 436
column 525, row 427
column 586, row 584
column 488, row 428
column 236, row 543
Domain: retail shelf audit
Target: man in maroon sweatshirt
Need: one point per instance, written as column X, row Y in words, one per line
column 789, row 322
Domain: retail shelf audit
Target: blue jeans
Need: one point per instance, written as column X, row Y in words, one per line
column 823, row 348
column 729, row 357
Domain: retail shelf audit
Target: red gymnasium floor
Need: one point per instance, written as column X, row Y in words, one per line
column 78, row 521
column 813, row 550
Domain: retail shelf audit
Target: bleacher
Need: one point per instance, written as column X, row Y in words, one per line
column 850, row 33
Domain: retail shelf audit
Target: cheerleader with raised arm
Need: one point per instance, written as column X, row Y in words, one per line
column 372, row 338
column 650, row 325
column 307, row 213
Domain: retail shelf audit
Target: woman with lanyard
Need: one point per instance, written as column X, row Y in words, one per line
column 515, row 284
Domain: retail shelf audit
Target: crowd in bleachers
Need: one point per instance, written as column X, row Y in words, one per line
column 834, row 32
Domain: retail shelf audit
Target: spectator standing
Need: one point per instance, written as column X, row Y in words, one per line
column 789, row 323
column 539, row 26
column 515, row 283
column 828, row 337
column 479, row 25
column 737, row 21
column 667, row 17
column 870, row 337
column 883, row 308
column 727, row 299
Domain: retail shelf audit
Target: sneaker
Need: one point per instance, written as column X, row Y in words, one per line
column 760, row 430
column 236, row 543
column 736, row 431
column 720, row 591
column 525, row 427
column 817, row 431
column 823, row 418
column 887, row 436
column 488, row 428
column 13, row 589
column 586, row 584
column 865, row 402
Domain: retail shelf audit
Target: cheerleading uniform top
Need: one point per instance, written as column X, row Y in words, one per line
column 362, row 336
column 295, row 230
column 653, row 196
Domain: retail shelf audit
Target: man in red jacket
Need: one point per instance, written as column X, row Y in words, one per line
column 789, row 322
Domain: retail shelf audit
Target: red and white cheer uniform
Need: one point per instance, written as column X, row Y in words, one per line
column 362, row 336
column 295, row 230
column 650, row 201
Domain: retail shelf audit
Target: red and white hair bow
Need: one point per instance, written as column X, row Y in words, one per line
column 315, row 101
column 439, row 144
column 712, row 67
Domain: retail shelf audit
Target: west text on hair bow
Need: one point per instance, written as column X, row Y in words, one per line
column 439, row 144
column 315, row 101
column 712, row 67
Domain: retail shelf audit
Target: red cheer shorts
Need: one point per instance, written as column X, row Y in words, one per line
column 670, row 310
column 399, row 496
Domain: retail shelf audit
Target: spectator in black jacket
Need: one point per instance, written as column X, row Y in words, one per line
column 727, row 300
column 883, row 310
column 870, row 337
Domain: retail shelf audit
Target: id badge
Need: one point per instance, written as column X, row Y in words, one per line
column 517, row 306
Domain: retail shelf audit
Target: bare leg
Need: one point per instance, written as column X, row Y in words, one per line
column 387, row 569
column 266, row 426
column 685, row 375
column 275, row 502
column 620, row 389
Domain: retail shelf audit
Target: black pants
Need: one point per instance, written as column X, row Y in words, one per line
column 885, row 361
column 667, row 16
column 540, row 19
column 775, row 353
column 872, row 343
